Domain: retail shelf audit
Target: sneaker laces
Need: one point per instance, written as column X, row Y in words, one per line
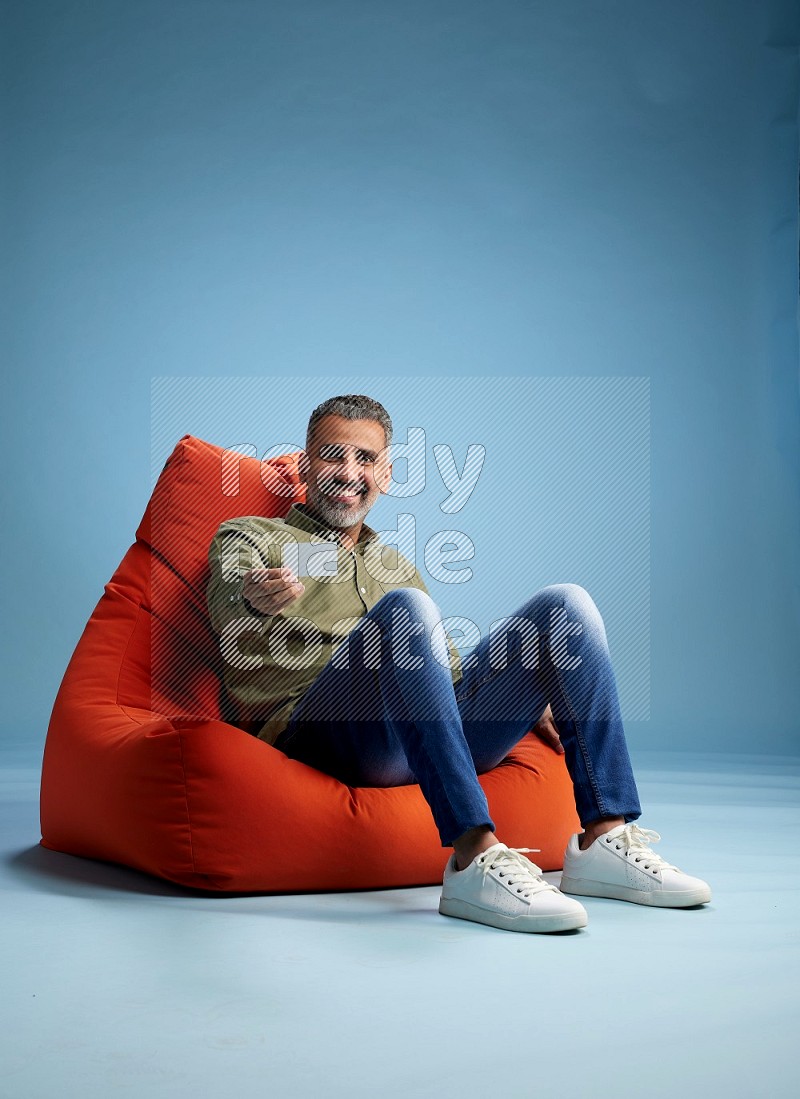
column 636, row 842
column 519, row 871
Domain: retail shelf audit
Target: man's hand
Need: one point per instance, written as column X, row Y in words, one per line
column 268, row 591
column 545, row 729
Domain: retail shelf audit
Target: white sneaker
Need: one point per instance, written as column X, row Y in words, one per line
column 621, row 865
column 502, row 888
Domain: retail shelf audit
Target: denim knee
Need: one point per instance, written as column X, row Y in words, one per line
column 407, row 613
column 417, row 602
column 570, row 596
column 572, row 599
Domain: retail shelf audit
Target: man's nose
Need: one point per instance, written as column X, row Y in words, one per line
column 351, row 470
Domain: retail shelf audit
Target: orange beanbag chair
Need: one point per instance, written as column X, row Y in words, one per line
column 145, row 765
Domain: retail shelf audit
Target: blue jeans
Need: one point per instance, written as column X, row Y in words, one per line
column 383, row 711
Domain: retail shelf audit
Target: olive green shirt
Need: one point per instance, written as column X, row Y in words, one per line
column 269, row 661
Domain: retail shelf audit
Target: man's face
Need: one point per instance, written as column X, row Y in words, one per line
column 345, row 469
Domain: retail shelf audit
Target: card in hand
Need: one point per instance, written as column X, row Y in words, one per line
column 313, row 559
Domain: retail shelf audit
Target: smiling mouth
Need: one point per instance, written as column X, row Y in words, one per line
column 346, row 495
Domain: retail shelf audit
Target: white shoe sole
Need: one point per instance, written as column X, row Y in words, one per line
column 463, row 910
column 671, row 898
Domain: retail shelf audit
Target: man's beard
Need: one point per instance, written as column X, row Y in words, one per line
column 337, row 513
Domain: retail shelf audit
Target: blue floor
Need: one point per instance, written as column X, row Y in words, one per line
column 118, row 984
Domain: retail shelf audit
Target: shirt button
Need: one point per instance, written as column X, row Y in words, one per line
column 363, row 589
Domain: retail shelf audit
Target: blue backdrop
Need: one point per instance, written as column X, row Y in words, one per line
column 578, row 220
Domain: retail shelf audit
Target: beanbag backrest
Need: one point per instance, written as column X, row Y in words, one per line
column 200, row 486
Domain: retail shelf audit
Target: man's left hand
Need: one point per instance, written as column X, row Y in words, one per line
column 545, row 729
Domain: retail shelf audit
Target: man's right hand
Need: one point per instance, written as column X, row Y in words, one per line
column 268, row 591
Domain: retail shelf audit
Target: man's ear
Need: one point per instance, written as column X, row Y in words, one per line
column 303, row 465
column 385, row 480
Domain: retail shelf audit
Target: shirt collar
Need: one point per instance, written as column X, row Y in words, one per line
column 298, row 517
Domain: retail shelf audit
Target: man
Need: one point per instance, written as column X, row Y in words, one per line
column 353, row 673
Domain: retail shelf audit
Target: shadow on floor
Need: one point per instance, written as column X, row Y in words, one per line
column 46, row 871
column 71, row 875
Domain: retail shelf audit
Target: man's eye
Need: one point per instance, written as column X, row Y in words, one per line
column 336, row 454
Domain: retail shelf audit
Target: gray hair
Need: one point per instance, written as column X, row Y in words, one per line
column 350, row 406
